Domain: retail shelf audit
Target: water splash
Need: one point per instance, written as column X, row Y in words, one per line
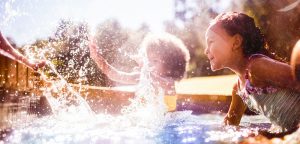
column 58, row 91
column 73, row 116
column 145, row 120
column 148, row 104
column 9, row 13
column 68, row 98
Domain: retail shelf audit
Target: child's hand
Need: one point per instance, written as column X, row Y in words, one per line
column 36, row 64
column 138, row 59
column 94, row 51
column 231, row 120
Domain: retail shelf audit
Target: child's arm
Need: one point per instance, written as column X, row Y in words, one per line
column 6, row 46
column 236, row 110
column 111, row 72
column 265, row 71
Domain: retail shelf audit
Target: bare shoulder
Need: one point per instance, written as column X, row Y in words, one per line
column 257, row 64
column 265, row 69
column 265, row 64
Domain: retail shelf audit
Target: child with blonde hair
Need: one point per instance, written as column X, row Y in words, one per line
column 165, row 56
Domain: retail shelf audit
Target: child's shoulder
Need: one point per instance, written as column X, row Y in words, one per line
column 259, row 62
column 263, row 70
column 259, row 67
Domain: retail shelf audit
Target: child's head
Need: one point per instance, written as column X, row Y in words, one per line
column 166, row 54
column 232, row 35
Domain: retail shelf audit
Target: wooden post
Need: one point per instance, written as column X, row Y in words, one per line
column 22, row 74
column 30, row 79
column 2, row 68
column 14, row 75
column 6, row 72
column 11, row 74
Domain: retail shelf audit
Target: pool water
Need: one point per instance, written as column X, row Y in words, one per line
column 176, row 127
column 145, row 120
column 208, row 128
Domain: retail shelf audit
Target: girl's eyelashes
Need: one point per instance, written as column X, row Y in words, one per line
column 153, row 61
column 209, row 41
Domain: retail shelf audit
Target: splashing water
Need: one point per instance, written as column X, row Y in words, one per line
column 69, row 95
column 148, row 104
column 72, row 116
column 145, row 120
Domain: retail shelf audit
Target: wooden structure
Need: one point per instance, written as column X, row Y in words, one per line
column 15, row 78
column 201, row 95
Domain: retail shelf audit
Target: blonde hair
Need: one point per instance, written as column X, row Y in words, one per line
column 173, row 53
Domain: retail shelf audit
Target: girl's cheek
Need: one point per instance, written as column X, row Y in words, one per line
column 214, row 50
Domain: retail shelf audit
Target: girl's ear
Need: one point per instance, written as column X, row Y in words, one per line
column 237, row 42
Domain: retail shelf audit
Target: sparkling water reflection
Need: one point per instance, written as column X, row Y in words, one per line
column 179, row 127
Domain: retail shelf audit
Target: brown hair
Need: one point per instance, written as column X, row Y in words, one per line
column 173, row 53
column 244, row 25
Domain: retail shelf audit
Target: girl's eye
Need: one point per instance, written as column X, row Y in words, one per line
column 154, row 61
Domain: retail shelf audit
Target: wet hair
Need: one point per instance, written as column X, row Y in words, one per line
column 172, row 52
column 244, row 25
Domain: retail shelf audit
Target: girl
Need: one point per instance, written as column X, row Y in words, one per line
column 265, row 85
column 8, row 50
column 164, row 54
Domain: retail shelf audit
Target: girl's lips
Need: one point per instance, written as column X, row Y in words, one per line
column 211, row 60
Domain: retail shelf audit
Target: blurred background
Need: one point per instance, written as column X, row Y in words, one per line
column 59, row 30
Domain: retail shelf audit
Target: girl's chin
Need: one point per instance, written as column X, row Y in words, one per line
column 215, row 68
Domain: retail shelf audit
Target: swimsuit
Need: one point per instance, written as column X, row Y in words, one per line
column 280, row 105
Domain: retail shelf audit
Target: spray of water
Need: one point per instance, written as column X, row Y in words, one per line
column 63, row 100
column 74, row 122
column 148, row 104
column 72, row 115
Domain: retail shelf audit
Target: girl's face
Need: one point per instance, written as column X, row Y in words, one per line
column 156, row 64
column 219, row 48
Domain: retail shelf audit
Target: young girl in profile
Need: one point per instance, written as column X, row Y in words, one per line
column 264, row 85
